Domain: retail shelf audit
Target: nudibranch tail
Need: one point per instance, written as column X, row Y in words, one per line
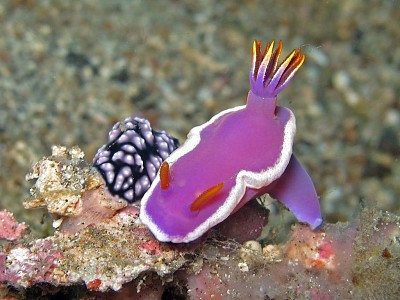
column 266, row 79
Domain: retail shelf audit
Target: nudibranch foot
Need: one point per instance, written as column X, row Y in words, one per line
column 266, row 79
column 296, row 190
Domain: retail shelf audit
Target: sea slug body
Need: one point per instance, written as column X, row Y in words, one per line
column 239, row 154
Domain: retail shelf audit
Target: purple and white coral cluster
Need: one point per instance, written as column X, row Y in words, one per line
column 130, row 160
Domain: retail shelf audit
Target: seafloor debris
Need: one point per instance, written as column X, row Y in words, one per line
column 118, row 256
column 60, row 181
column 71, row 190
column 102, row 257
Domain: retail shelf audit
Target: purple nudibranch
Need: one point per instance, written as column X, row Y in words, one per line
column 130, row 160
column 239, row 154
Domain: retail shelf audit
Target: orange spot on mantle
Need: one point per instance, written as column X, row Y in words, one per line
column 205, row 197
column 164, row 175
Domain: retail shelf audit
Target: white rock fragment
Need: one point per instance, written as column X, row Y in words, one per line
column 243, row 267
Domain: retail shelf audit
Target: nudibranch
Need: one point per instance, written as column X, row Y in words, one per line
column 130, row 160
column 239, row 154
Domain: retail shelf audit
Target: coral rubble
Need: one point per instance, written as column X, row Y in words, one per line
column 71, row 190
column 117, row 257
column 10, row 229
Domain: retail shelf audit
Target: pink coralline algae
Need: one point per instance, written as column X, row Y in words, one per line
column 119, row 257
column 103, row 256
column 316, row 252
column 10, row 229
column 26, row 265
column 328, row 264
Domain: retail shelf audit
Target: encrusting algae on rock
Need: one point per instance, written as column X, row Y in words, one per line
column 59, row 181
column 71, row 190
column 10, row 229
column 119, row 253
